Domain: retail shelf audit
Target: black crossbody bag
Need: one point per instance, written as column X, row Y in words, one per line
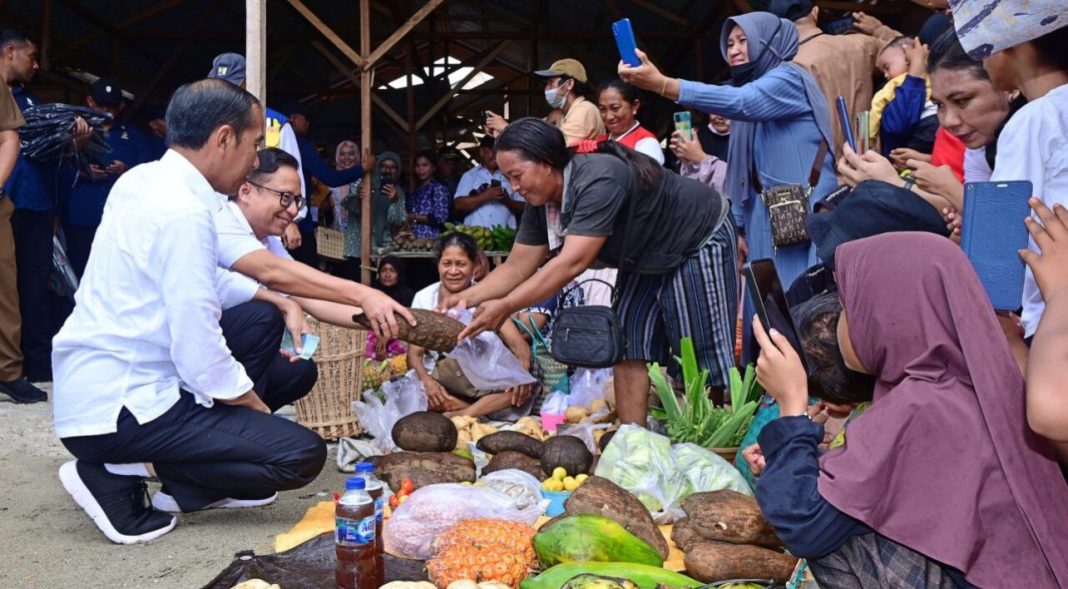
column 592, row 336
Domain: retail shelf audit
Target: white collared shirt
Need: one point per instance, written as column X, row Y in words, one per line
column 489, row 214
column 236, row 240
column 146, row 320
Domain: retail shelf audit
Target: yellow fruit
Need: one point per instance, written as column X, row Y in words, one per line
column 570, row 484
column 575, row 414
column 553, row 485
column 483, row 550
column 547, row 484
column 582, row 478
column 559, row 473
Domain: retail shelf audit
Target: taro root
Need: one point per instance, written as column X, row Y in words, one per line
column 509, row 440
column 424, row 468
column 568, row 452
column 510, row 459
column 729, row 516
column 600, row 496
column 710, row 562
column 433, row 331
column 425, row 431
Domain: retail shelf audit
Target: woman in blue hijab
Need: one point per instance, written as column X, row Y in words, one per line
column 778, row 119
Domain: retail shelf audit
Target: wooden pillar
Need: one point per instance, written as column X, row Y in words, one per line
column 256, row 49
column 410, row 156
column 46, row 34
column 365, row 136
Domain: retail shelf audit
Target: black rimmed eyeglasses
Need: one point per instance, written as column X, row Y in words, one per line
column 286, row 199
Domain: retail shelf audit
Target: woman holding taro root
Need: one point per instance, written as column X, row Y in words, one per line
column 677, row 275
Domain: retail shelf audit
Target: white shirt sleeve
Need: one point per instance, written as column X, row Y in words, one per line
column 274, row 245
column 975, row 167
column 287, row 142
column 234, row 288
column 185, row 252
column 235, row 241
column 467, row 183
column 427, row 298
column 651, row 148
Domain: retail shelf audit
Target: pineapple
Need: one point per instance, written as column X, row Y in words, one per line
column 398, row 365
column 483, row 550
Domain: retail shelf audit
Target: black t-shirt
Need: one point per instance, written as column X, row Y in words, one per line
column 670, row 223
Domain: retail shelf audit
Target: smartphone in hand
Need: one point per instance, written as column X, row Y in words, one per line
column 625, row 42
column 847, row 127
column 992, row 234
column 684, row 123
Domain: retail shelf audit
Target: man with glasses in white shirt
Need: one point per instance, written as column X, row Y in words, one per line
column 144, row 382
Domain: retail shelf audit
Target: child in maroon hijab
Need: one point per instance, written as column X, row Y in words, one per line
column 941, row 482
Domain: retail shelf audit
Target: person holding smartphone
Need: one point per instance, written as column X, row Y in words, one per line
column 388, row 210
column 484, row 196
column 90, row 191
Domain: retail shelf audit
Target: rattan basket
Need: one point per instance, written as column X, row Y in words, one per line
column 327, row 409
column 330, row 243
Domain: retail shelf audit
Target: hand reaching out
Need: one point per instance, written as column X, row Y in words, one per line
column 1050, row 265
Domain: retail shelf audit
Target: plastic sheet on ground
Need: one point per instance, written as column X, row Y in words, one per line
column 308, row 566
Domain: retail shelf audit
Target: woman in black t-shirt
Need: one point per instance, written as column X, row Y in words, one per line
column 677, row 275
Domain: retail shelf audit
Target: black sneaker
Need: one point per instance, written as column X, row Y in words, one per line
column 117, row 504
column 21, row 391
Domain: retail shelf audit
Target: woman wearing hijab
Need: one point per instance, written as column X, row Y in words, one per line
column 347, row 155
column 779, row 120
column 387, row 210
column 941, row 482
column 391, row 280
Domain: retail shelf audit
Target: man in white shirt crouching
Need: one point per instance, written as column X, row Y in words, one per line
column 249, row 226
column 144, row 382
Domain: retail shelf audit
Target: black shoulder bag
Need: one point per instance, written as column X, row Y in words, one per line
column 592, row 336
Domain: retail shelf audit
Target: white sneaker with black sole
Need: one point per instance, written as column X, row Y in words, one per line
column 117, row 504
column 165, row 502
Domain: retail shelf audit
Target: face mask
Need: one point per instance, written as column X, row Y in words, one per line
column 554, row 98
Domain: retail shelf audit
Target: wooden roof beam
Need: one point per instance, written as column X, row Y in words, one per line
column 355, row 80
column 330, row 35
column 129, row 21
column 399, row 34
column 444, row 100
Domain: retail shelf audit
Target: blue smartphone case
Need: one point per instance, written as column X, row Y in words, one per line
column 992, row 234
column 625, row 42
column 847, row 128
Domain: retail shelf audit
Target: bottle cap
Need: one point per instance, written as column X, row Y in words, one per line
column 355, row 483
column 367, row 467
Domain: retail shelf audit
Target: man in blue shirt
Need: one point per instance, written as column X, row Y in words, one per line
column 86, row 205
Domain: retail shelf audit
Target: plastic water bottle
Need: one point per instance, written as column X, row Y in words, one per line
column 354, row 517
column 377, row 490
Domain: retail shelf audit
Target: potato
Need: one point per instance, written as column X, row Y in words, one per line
column 575, row 414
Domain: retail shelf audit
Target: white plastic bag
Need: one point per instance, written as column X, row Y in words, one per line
column 411, row 530
column 403, row 396
column 587, row 386
column 583, row 431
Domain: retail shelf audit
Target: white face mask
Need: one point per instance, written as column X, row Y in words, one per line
column 554, row 98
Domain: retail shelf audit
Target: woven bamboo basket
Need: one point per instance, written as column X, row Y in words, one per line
column 327, row 409
column 330, row 243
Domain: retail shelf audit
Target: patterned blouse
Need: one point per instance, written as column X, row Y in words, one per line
column 430, row 199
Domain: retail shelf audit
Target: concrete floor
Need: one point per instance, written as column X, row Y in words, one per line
column 46, row 540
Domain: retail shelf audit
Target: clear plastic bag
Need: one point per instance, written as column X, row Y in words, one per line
column 486, row 361
column 411, row 530
column 402, row 397
column 517, row 484
column 583, row 431
column 587, row 386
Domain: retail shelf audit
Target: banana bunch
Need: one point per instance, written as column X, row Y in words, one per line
column 497, row 238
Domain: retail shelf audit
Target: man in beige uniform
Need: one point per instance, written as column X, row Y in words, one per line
column 843, row 65
column 12, row 384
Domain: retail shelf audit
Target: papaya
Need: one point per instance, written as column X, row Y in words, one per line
column 643, row 575
column 592, row 538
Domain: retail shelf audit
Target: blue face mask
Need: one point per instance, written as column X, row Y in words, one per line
column 554, row 98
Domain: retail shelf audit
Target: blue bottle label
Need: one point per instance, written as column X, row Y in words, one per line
column 380, row 508
column 355, row 532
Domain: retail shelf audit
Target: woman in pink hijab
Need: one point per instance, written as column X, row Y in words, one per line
column 941, row 483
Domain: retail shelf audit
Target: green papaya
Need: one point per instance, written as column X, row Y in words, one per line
column 587, row 581
column 644, row 576
column 592, row 538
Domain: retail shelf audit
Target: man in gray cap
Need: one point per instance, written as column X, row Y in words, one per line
column 842, row 64
column 279, row 132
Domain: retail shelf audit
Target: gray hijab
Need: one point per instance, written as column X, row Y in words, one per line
column 772, row 43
